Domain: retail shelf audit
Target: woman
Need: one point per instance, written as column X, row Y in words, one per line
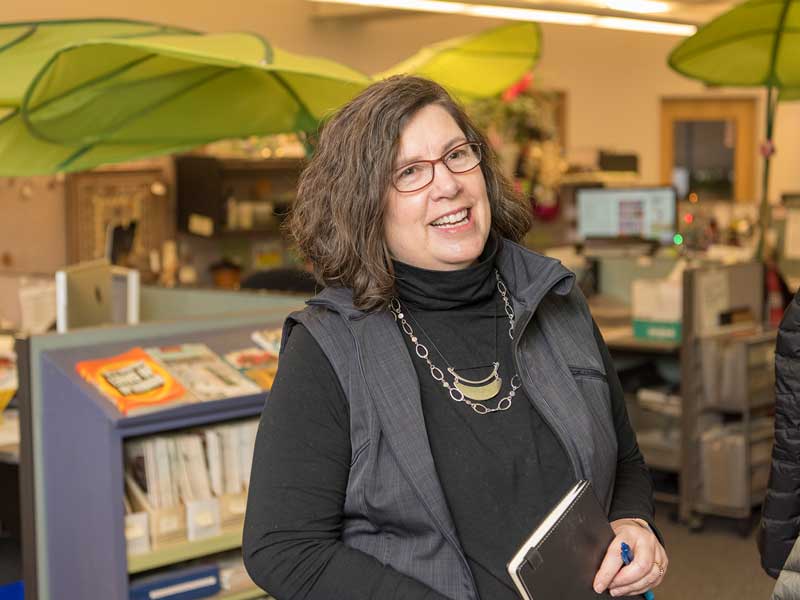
column 444, row 391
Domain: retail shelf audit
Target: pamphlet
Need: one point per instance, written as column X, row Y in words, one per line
column 256, row 364
column 203, row 372
column 268, row 339
column 132, row 381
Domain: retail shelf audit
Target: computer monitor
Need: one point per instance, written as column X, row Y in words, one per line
column 96, row 293
column 648, row 213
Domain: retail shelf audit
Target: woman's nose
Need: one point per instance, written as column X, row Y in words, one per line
column 445, row 183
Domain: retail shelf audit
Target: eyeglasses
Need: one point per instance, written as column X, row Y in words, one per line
column 415, row 176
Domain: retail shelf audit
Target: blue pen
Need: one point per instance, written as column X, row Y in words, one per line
column 627, row 558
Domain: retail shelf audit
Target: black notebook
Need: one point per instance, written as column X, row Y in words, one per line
column 561, row 557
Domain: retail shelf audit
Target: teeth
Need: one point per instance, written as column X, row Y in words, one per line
column 452, row 218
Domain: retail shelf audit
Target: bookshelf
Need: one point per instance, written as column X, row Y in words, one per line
column 242, row 595
column 75, row 445
column 175, row 553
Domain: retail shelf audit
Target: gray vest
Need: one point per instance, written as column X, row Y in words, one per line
column 395, row 509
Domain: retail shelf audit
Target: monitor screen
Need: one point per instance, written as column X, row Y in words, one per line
column 83, row 295
column 649, row 213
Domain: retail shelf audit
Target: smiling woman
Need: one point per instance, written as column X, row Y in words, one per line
column 437, row 399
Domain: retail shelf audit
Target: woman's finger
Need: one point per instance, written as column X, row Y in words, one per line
column 643, row 558
column 612, row 563
column 650, row 580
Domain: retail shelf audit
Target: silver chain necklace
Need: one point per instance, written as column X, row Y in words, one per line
column 471, row 393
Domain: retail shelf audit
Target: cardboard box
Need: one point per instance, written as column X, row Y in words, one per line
column 727, row 478
column 657, row 307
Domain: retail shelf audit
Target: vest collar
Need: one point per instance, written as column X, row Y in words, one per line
column 529, row 276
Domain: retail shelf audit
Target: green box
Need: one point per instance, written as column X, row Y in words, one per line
column 661, row 331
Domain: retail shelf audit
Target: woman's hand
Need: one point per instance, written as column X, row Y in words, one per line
column 649, row 560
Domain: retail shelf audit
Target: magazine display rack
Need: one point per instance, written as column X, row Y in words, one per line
column 73, row 440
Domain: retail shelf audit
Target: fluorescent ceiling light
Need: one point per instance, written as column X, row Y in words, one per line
column 646, row 26
column 638, row 6
column 527, row 14
column 421, row 5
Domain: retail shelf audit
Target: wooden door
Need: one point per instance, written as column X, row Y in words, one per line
column 739, row 118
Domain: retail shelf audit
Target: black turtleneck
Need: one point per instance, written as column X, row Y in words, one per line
column 500, row 472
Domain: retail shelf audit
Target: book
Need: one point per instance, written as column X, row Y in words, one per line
column 203, row 372
column 247, row 441
column 199, row 581
column 561, row 557
column 132, row 381
column 256, row 364
column 213, row 449
column 268, row 339
column 231, row 458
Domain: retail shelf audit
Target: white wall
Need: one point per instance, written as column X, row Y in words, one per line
column 614, row 80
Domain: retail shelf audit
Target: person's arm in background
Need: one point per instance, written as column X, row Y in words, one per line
column 780, row 519
column 632, row 510
column 292, row 544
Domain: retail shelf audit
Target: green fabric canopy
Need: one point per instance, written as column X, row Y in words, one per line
column 479, row 65
column 85, row 93
column 107, row 100
column 24, row 49
column 754, row 44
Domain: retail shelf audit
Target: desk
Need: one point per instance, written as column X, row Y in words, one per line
column 620, row 338
column 632, row 344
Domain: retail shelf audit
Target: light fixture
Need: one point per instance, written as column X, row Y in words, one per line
column 529, row 14
column 638, row 6
column 645, row 26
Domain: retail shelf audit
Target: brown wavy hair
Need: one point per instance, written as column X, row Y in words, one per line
column 338, row 217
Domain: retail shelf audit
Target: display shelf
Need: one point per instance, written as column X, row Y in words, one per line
column 82, row 447
column 245, row 594
column 187, row 550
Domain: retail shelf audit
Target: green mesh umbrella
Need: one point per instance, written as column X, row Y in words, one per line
column 479, row 65
column 754, row 44
column 115, row 99
column 96, row 92
column 24, row 49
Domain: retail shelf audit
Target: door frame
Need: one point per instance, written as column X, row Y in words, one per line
column 741, row 110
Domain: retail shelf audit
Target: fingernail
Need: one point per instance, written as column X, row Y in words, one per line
column 614, row 593
column 598, row 588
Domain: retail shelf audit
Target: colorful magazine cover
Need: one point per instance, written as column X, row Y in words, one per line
column 268, row 339
column 132, row 381
column 202, row 372
column 255, row 364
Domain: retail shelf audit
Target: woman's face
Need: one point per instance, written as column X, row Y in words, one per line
column 443, row 226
